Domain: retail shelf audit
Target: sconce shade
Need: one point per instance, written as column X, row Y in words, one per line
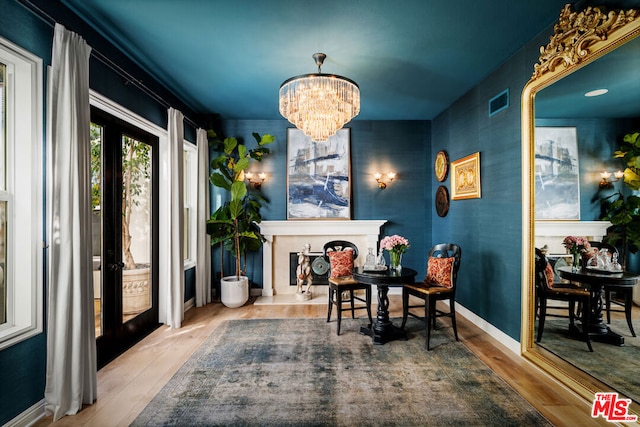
column 319, row 104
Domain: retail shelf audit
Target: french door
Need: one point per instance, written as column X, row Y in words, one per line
column 124, row 180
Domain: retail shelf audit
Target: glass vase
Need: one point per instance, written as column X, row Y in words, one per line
column 576, row 261
column 395, row 260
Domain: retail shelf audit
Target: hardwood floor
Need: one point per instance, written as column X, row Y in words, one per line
column 127, row 384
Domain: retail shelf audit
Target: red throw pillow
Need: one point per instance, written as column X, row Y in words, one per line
column 341, row 263
column 440, row 272
column 549, row 274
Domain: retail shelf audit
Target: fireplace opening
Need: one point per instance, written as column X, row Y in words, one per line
column 293, row 265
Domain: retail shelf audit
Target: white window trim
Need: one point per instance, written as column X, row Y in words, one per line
column 25, row 192
column 191, row 195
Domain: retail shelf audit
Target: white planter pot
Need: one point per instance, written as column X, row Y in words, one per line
column 234, row 293
column 136, row 290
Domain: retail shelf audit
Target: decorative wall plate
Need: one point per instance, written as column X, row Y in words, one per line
column 442, row 201
column 320, row 266
column 441, row 165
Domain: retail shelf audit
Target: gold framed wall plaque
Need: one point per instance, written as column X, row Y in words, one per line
column 441, row 165
column 465, row 177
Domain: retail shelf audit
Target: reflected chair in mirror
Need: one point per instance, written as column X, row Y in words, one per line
column 622, row 296
column 547, row 290
column 443, row 263
column 341, row 255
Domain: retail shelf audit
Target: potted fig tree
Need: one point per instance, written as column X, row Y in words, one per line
column 233, row 225
column 136, row 173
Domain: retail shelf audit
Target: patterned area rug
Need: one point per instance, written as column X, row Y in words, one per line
column 615, row 366
column 298, row 372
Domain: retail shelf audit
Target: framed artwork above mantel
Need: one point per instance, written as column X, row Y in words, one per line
column 318, row 176
column 557, row 179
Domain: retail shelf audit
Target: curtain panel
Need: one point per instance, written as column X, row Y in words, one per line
column 172, row 204
column 71, row 342
column 203, row 248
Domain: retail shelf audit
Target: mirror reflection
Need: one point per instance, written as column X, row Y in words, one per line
column 597, row 123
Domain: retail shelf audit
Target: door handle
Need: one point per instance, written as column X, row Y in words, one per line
column 116, row 266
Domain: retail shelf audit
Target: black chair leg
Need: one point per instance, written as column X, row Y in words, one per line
column 405, row 307
column 331, row 294
column 607, row 300
column 368, row 298
column 585, row 323
column 427, row 320
column 628, row 304
column 541, row 317
column 353, row 307
column 452, row 304
column 339, row 308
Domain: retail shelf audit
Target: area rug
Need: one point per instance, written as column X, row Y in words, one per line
column 298, row 372
column 615, row 366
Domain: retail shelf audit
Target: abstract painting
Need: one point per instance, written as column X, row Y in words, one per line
column 557, row 182
column 318, row 176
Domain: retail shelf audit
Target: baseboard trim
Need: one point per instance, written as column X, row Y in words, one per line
column 488, row 328
column 28, row 417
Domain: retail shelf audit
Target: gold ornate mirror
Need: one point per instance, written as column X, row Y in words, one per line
column 580, row 38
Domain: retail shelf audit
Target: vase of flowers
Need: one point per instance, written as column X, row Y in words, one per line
column 396, row 246
column 576, row 246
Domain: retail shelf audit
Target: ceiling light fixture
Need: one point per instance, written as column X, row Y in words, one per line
column 319, row 104
column 596, row 92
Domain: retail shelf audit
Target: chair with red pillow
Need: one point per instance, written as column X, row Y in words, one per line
column 547, row 290
column 439, row 284
column 341, row 255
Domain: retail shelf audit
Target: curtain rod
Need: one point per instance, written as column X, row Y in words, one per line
column 129, row 79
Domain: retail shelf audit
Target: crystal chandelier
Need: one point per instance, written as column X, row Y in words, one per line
column 319, row 104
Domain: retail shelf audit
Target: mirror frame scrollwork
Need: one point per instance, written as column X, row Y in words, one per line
column 579, row 38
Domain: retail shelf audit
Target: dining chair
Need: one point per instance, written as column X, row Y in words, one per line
column 609, row 289
column 341, row 254
column 443, row 263
column 547, row 290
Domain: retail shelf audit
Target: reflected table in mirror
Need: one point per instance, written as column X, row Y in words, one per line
column 382, row 330
column 594, row 280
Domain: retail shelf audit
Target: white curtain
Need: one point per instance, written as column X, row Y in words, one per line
column 203, row 251
column 71, row 341
column 172, row 204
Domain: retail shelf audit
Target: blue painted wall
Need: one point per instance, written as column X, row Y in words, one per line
column 401, row 146
column 488, row 229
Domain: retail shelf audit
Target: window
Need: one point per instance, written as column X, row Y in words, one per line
column 21, row 180
column 190, row 182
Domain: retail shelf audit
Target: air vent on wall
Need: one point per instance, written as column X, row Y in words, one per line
column 499, row 102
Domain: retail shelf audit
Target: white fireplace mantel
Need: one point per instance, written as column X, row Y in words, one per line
column 552, row 233
column 286, row 232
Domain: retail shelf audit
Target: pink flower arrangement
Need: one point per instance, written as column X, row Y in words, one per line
column 576, row 245
column 394, row 243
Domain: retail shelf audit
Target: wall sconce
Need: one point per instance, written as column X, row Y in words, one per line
column 605, row 183
column 381, row 183
column 256, row 184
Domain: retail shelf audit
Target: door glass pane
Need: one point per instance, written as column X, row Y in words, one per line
column 96, row 221
column 136, row 227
